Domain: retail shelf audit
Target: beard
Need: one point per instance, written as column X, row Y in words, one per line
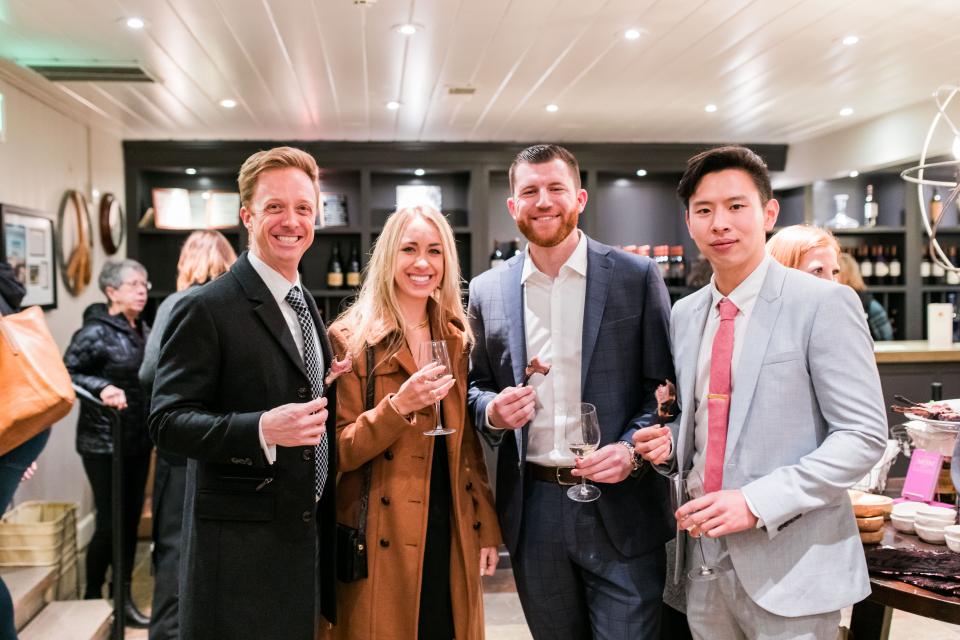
column 568, row 222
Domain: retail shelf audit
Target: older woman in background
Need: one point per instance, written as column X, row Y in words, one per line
column 104, row 357
column 204, row 256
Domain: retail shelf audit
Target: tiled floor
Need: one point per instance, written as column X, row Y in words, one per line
column 505, row 619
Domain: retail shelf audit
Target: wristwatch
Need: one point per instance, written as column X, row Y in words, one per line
column 636, row 459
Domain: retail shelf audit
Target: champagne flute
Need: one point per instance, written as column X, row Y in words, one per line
column 691, row 484
column 435, row 352
column 583, row 438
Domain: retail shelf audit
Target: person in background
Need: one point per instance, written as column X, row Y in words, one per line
column 880, row 325
column 810, row 249
column 431, row 525
column 104, row 358
column 204, row 256
column 18, row 463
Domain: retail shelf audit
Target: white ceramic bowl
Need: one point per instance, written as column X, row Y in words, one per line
column 902, row 524
column 943, row 514
column 907, row 509
column 928, row 521
column 933, row 535
column 953, row 531
column 953, row 544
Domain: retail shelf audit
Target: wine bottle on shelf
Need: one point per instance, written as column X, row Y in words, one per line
column 866, row 265
column 881, row 270
column 953, row 277
column 938, row 275
column 496, row 257
column 871, row 208
column 925, row 266
column 896, row 268
column 335, row 268
column 661, row 255
column 514, row 248
column 936, row 391
column 353, row 266
column 936, row 206
column 678, row 268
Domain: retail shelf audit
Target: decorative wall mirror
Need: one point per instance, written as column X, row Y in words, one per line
column 111, row 223
column 75, row 242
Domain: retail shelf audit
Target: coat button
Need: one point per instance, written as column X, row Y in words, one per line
column 307, row 454
column 388, row 455
column 384, row 542
column 303, row 393
column 385, row 500
column 469, row 486
column 307, row 515
column 476, row 525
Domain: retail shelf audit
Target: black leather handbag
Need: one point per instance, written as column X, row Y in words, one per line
column 352, row 541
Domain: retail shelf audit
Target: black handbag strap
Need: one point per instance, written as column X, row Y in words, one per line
column 367, row 467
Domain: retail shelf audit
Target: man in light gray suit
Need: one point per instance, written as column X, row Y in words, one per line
column 781, row 412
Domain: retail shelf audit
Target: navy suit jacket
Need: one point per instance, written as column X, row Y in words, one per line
column 626, row 354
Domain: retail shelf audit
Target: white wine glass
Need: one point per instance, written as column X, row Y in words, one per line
column 435, row 352
column 690, row 487
column 583, row 438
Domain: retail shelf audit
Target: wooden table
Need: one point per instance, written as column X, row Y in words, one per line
column 871, row 617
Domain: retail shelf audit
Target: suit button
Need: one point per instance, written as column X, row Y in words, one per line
column 476, row 525
column 306, row 516
column 388, row 455
column 307, row 454
column 469, row 486
column 303, row 393
column 384, row 542
column 385, row 500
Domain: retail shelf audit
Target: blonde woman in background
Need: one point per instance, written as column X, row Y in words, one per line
column 877, row 320
column 204, row 256
column 431, row 526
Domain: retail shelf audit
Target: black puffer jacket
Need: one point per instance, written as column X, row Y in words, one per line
column 107, row 350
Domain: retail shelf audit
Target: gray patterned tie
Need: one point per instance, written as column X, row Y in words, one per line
column 311, row 360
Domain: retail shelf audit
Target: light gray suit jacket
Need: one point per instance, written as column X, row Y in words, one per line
column 807, row 421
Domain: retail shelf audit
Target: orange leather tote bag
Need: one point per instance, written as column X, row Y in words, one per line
column 35, row 388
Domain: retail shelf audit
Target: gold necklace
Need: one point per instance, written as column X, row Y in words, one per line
column 421, row 325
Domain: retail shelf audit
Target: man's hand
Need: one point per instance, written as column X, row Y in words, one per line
column 654, row 444
column 716, row 514
column 114, row 397
column 489, row 557
column 609, row 464
column 512, row 408
column 295, row 424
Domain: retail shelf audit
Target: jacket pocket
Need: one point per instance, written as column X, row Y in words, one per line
column 783, row 356
column 236, row 505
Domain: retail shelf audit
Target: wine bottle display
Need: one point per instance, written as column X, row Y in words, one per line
column 871, row 208
column 353, row 266
column 335, row 268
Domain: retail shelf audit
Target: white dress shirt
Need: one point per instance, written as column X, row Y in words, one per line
column 279, row 287
column 553, row 322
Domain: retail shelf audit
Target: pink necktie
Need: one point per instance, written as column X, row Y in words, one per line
column 718, row 397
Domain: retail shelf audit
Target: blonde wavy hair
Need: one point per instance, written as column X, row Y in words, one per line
column 376, row 313
column 205, row 255
column 789, row 245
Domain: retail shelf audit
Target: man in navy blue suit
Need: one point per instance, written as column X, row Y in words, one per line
column 600, row 318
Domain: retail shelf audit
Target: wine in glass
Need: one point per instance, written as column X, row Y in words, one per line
column 435, row 352
column 583, row 438
column 685, row 486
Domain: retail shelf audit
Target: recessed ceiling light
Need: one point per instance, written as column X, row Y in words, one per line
column 406, row 29
column 418, row 172
column 135, row 23
column 854, row 173
column 710, row 108
column 846, row 111
column 206, row 195
column 228, row 103
column 641, row 172
column 191, row 171
column 552, row 108
column 393, row 105
column 850, row 40
column 631, row 34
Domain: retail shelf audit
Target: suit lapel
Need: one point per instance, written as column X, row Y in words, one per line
column 599, row 272
column 511, row 292
column 266, row 309
column 687, row 360
column 757, row 337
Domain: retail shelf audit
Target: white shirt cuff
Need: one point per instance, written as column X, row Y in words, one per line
column 270, row 451
column 486, row 419
column 753, row 510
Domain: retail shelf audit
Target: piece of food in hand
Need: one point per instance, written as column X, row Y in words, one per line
column 666, row 395
column 870, row 524
column 337, row 369
column 535, row 366
column 869, row 505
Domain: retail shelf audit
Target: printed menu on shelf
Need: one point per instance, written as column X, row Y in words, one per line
column 191, row 209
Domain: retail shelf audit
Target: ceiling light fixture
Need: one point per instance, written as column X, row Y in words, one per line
column 418, row 172
column 191, row 171
column 631, row 34
column 846, row 111
column 850, row 40
column 393, row 105
column 552, row 108
column 406, row 29
column 228, row 103
column 135, row 23
column 641, row 173
column 710, row 108
column 854, row 173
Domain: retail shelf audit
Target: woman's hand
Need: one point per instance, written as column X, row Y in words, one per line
column 423, row 389
column 489, row 557
column 114, row 397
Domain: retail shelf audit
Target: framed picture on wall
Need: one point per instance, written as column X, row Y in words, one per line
column 27, row 245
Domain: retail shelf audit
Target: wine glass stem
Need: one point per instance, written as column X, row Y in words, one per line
column 439, row 421
column 703, row 558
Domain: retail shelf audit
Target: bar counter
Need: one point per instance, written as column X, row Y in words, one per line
column 914, row 351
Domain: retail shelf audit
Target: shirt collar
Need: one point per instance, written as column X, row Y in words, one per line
column 745, row 294
column 278, row 285
column 577, row 261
